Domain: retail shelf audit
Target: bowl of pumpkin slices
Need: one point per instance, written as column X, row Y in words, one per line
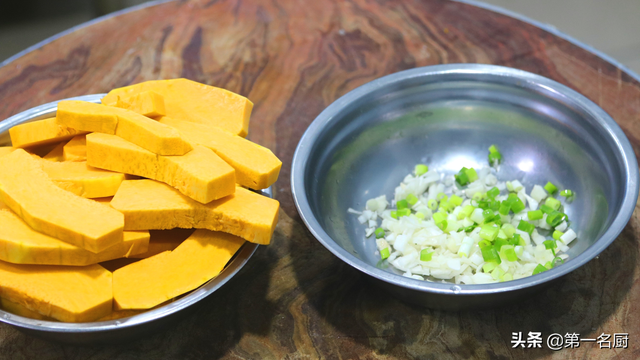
column 120, row 211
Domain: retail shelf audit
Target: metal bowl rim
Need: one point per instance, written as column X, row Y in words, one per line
column 241, row 258
column 612, row 129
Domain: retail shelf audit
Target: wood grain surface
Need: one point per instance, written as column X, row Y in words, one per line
column 292, row 58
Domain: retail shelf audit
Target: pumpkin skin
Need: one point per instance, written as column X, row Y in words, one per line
column 154, row 280
column 131, row 126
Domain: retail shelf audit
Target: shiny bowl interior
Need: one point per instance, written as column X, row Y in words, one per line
column 123, row 329
column 447, row 116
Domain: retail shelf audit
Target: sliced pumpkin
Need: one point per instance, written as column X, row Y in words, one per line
column 41, row 132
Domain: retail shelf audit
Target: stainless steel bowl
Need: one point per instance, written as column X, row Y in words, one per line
column 124, row 329
column 447, row 116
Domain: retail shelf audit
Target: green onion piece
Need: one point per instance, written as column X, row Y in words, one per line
column 556, row 260
column 484, row 204
column 443, row 225
column 455, row 200
column 508, row 252
column 404, row 212
column 379, row 233
column 384, row 253
column 548, row 265
column 550, row 188
column 466, row 211
column 493, row 192
column 477, row 196
column 487, row 214
column 421, row 169
column 432, row 204
column 557, row 234
column 420, row 215
column 426, row 255
column 566, row 193
column 484, row 243
column 552, row 203
column 540, row 268
column 494, row 205
column 472, row 175
column 497, row 219
column 550, row 245
column 445, row 205
column 441, row 196
column 489, row 232
column 402, row 204
column 494, row 155
column 516, row 239
column 555, row 218
column 412, row 199
column 489, row 266
column 535, row 215
column 526, row 226
column 489, row 254
column 499, row 243
column 439, row 217
column 394, row 214
column 469, row 228
column 517, row 205
column 506, row 277
column 460, row 229
column 462, row 178
column 504, row 208
column 508, row 229
column 497, row 273
column 546, row 209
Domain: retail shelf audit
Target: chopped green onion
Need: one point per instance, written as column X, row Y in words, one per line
column 540, row 268
column 420, row 215
column 566, row 193
column 432, row 204
column 442, row 225
column 477, row 196
column 471, row 174
column 506, row 277
column 469, row 228
column 494, row 155
column 555, row 218
column 548, row 265
column 494, row 205
column 497, row 273
column 466, row 211
column 487, row 214
column 421, row 169
column 489, row 232
column 516, row 240
column 489, row 254
column 526, row 226
column 484, row 243
column 552, row 203
column 404, row 212
column 556, row 259
column 508, row 229
column 426, row 255
column 445, row 205
column 394, row 214
column 455, row 200
column 402, row 204
column 439, row 217
column 493, row 192
column 484, row 204
column 557, row 234
column 441, row 196
column 550, row 188
column 504, row 208
column 550, row 245
column 489, row 266
column 517, row 205
column 379, row 233
column 546, row 209
column 412, row 199
column 535, row 215
column 462, row 178
column 508, row 252
column 499, row 243
column 384, row 253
